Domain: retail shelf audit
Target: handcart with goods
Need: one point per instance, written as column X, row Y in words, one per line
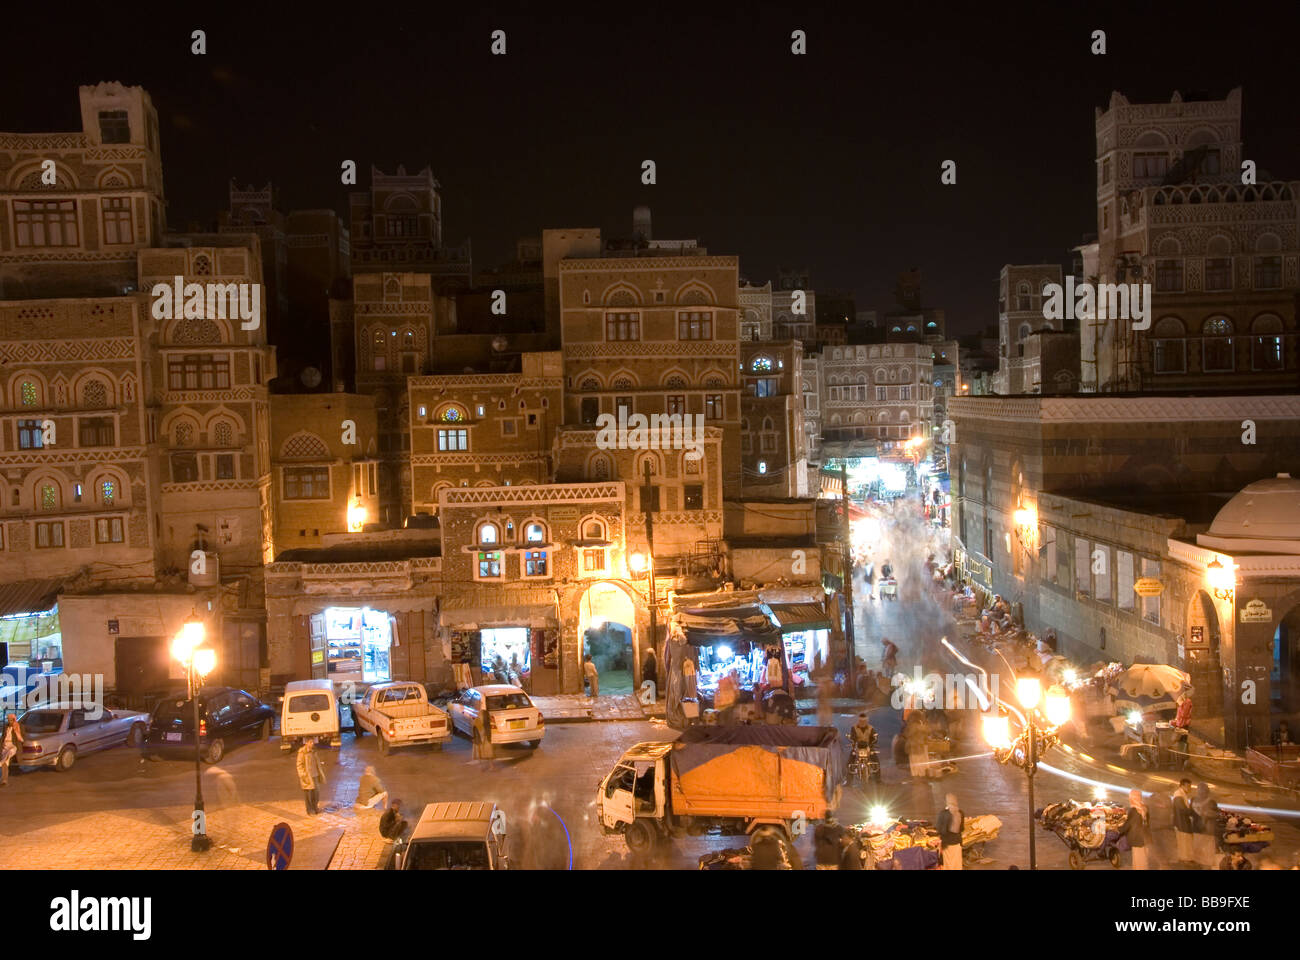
column 1073, row 823
column 888, row 588
column 915, row 844
column 1238, row 836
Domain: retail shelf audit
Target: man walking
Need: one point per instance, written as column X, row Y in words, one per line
column 9, row 746
column 311, row 774
column 1184, row 822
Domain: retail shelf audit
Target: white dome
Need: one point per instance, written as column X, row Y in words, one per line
column 1263, row 510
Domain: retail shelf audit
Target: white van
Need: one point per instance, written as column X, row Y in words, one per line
column 310, row 709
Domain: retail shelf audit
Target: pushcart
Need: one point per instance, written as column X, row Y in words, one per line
column 1239, row 836
column 888, row 588
column 975, row 834
column 1081, row 855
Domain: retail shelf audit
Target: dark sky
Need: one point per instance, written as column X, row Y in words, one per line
column 829, row 160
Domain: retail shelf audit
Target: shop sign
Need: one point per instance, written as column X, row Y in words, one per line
column 1256, row 612
column 1198, row 636
column 564, row 515
column 317, row 656
column 1148, row 587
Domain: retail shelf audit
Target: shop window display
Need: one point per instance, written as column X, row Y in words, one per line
column 505, row 656
column 359, row 640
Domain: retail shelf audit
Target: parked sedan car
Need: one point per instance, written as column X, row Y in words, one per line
column 226, row 716
column 514, row 718
column 56, row 734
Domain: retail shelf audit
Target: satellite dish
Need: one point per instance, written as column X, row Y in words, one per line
column 310, row 377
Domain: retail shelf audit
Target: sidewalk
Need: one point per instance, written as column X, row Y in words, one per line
column 580, row 708
column 159, row 839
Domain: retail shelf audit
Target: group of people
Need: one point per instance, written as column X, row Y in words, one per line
column 371, row 792
column 1196, row 825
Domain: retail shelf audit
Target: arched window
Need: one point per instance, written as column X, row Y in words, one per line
column 1170, row 349
column 183, row 434
column 1217, row 353
column 50, row 496
column 761, row 364
column 599, row 469
column 487, row 533
column 452, row 414
column 202, row 265
column 593, row 530
column 534, row 533
column 223, row 435
column 1024, row 331
column 589, row 384
column 408, row 340
column 1266, row 351
column 29, row 394
column 107, row 492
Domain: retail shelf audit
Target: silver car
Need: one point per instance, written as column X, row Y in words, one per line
column 55, row 734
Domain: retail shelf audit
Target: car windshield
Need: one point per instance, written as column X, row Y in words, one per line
column 308, row 701
column 508, row 701
column 42, row 721
column 447, row 855
column 169, row 711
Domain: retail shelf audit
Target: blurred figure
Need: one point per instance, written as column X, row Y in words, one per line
column 9, row 746
column 1136, row 828
column 950, row 823
column 371, row 793
column 1205, row 843
column 1184, row 822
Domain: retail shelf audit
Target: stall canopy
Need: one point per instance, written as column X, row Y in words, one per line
column 705, row 627
column 799, row 616
column 28, row 596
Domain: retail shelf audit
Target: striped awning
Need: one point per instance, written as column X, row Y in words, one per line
column 28, row 596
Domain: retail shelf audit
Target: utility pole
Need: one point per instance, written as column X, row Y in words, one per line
column 648, row 503
column 847, row 542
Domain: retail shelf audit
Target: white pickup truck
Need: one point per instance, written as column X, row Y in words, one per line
column 399, row 714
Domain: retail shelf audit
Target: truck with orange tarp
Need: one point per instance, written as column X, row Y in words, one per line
column 739, row 780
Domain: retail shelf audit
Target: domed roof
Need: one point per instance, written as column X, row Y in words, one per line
column 1263, row 510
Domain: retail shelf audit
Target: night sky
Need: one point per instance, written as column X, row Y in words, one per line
column 829, row 160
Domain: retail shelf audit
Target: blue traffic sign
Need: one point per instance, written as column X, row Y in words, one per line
column 279, row 850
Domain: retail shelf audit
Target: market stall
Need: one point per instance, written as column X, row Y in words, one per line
column 889, row 844
column 728, row 639
column 805, row 638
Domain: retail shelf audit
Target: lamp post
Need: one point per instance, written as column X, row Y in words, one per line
column 1221, row 579
column 198, row 661
column 1038, row 737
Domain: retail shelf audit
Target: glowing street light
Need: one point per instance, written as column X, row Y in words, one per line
column 199, row 661
column 637, row 563
column 1028, row 692
column 1057, row 706
column 356, row 516
column 997, row 731
column 1222, row 579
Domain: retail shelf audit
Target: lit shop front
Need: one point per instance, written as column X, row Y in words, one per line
column 805, row 638
column 519, row 645
column 357, row 644
column 735, row 638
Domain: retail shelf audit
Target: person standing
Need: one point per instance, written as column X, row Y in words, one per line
column 311, row 774
column 724, row 701
column 592, row 675
column 828, row 843
column 773, row 674
column 1184, row 821
column 9, row 746
column 1135, row 828
column 853, row 858
column 650, row 668
column 688, row 674
column 1205, row 843
column 950, row 823
column 916, row 738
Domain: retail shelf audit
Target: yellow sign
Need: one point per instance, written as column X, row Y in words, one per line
column 318, row 656
column 1148, row 587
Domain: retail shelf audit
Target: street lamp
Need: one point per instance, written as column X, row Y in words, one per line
column 356, row 516
column 1037, row 738
column 1221, row 579
column 199, row 661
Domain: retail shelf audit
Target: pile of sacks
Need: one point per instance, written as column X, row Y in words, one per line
column 1236, row 828
column 1074, row 817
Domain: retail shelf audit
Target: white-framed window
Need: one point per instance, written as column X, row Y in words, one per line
column 487, row 533
column 453, row 439
column 1124, row 576
column 489, row 565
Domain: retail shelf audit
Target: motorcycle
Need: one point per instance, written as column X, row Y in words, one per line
column 864, row 765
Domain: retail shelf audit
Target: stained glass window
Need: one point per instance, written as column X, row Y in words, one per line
column 762, row 363
column 451, row 414
column 49, row 497
column 29, row 394
column 108, row 488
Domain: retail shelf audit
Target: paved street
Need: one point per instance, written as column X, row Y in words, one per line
column 116, row 810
